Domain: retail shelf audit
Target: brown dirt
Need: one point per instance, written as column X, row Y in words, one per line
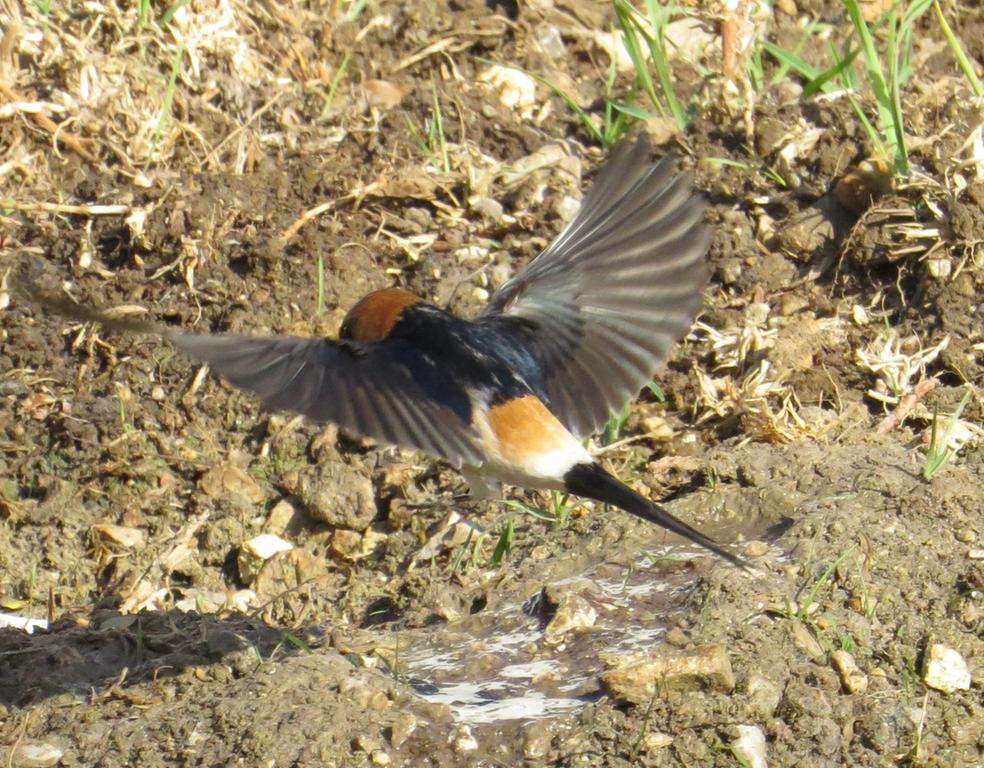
column 337, row 656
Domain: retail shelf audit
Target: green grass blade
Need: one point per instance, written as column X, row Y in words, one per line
column 783, row 69
column 939, row 451
column 964, row 63
column 728, row 162
column 822, row 80
column 880, row 149
column 625, row 14
column 355, row 10
column 811, row 597
column 657, row 47
column 335, row 81
column 897, row 65
column 632, row 110
column 297, row 642
column 791, row 61
column 889, row 115
column 872, row 62
column 172, row 82
column 442, row 143
column 503, row 545
column 849, row 75
column 528, row 509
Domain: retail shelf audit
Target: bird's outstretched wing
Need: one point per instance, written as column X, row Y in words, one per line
column 383, row 391
column 389, row 391
column 600, row 308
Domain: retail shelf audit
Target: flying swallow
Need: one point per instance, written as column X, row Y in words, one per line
column 510, row 395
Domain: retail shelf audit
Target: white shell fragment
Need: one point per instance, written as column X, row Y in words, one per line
column 125, row 536
column 256, row 551
column 516, row 89
column 750, row 745
column 462, row 740
column 21, row 622
column 266, row 545
column 945, row 670
column 939, row 269
column 40, row 755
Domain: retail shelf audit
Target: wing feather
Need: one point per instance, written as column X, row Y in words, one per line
column 381, row 390
column 601, row 306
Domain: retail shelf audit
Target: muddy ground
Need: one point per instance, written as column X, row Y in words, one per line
column 130, row 481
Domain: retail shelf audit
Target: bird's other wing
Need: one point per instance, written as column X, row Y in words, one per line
column 383, row 391
column 601, row 306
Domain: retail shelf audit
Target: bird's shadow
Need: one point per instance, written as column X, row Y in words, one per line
column 114, row 652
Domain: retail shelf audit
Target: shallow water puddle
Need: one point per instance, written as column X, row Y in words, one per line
column 499, row 667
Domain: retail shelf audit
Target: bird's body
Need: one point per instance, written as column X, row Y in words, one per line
column 484, row 377
column 510, row 395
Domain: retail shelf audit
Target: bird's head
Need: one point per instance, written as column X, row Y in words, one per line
column 374, row 315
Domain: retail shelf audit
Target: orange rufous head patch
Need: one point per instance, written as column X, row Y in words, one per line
column 375, row 314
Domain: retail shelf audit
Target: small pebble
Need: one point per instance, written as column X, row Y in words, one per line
column 805, row 641
column 462, row 741
column 945, row 669
column 573, row 613
column 852, row 678
column 255, row 552
column 36, row 755
column 756, row 548
column 403, row 725
column 965, row 535
column 385, row 93
column 757, row 312
column 730, row 271
column 677, row 638
column 790, row 304
column 763, row 695
column 636, row 678
column 750, row 745
column 537, row 741
column 656, row 740
column 939, row 269
column 487, row 207
column 550, row 42
column 280, row 517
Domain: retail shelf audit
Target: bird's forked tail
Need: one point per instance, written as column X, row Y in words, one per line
column 592, row 481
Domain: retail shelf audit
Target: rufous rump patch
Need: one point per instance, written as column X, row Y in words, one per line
column 375, row 314
column 530, row 438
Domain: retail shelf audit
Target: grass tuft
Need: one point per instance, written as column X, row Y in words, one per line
column 645, row 41
column 887, row 81
column 172, row 82
column 430, row 137
column 557, row 515
column 336, row 80
column 942, row 446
